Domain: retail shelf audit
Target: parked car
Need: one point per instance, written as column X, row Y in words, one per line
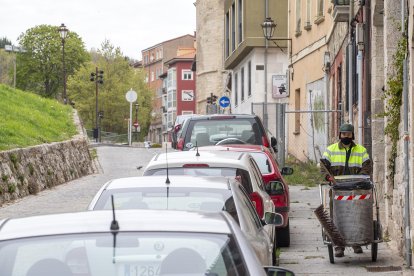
column 224, row 129
column 218, row 163
column 274, row 182
column 127, row 242
column 147, row 144
column 177, row 128
column 189, row 193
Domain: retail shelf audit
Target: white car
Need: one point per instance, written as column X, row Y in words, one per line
column 189, row 193
column 238, row 165
column 127, row 242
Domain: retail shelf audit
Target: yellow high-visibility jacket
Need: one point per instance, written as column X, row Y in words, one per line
column 358, row 162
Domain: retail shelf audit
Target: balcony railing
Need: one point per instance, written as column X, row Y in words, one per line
column 341, row 10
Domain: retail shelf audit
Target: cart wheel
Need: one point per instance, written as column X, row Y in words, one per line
column 331, row 254
column 374, row 245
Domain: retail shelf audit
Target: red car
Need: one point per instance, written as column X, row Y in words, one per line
column 272, row 177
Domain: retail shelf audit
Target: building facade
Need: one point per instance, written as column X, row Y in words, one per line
column 179, row 89
column 153, row 59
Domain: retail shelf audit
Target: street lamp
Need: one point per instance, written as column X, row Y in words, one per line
column 136, row 124
column 63, row 31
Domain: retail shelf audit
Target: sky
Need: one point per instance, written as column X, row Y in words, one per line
column 132, row 25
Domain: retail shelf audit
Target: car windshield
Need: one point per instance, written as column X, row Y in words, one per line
column 262, row 162
column 210, row 132
column 132, row 253
column 177, row 198
column 241, row 175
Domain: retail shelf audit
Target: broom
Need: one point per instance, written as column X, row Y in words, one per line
column 331, row 231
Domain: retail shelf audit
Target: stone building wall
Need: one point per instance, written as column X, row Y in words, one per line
column 210, row 40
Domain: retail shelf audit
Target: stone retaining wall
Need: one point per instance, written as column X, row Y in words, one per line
column 30, row 170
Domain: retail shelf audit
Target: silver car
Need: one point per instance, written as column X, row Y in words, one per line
column 126, row 242
column 206, row 194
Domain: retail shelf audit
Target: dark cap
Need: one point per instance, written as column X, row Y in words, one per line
column 346, row 128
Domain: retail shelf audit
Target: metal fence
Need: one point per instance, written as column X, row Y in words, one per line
column 110, row 137
column 309, row 131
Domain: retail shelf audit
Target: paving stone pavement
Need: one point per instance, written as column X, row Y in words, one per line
column 307, row 254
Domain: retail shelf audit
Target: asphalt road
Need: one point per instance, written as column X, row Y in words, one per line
column 307, row 254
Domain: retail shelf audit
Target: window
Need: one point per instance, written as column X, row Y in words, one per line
column 242, row 83
column 233, row 27
column 298, row 17
column 240, row 20
column 227, row 39
column 171, row 78
column 320, row 8
column 174, row 98
column 297, row 108
column 308, row 14
column 236, row 88
column 152, row 75
column 187, row 75
column 249, row 78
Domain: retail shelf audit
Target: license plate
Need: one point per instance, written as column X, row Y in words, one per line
column 142, row 270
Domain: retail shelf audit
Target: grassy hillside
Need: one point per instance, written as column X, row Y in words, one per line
column 27, row 119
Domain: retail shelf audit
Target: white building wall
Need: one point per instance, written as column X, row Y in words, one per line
column 277, row 65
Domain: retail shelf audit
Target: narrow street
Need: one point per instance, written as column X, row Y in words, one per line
column 307, row 254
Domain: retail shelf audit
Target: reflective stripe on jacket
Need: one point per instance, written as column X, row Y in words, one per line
column 358, row 163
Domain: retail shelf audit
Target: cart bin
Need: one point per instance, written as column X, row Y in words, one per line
column 352, row 211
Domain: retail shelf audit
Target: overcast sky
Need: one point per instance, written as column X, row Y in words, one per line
column 132, row 25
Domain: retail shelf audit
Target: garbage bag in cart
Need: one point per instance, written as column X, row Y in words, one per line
column 352, row 210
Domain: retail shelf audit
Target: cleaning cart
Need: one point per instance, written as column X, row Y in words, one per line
column 349, row 213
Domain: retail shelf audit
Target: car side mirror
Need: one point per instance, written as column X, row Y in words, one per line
column 276, row 188
column 278, row 271
column 273, row 142
column 177, row 128
column 274, row 219
column 286, row 171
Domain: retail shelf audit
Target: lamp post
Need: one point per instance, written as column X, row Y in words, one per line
column 269, row 27
column 136, row 124
column 63, row 31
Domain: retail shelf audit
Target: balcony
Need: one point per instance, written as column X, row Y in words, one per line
column 341, row 10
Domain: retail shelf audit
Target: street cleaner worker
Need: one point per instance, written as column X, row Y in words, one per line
column 347, row 158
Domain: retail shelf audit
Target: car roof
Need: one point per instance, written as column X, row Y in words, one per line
column 236, row 147
column 100, row 221
column 175, row 181
column 225, row 159
column 222, row 116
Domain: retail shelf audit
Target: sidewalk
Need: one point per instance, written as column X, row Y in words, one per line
column 307, row 255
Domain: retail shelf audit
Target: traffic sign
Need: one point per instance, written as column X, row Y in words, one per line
column 224, row 101
column 131, row 96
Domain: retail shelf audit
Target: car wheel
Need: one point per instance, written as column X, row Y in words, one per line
column 283, row 236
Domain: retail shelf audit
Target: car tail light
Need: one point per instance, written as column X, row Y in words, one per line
column 258, row 203
column 180, row 144
column 265, row 142
column 279, row 200
column 196, row 166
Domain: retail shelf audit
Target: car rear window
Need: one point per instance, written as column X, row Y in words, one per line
column 178, row 198
column 210, row 132
column 241, row 175
column 262, row 162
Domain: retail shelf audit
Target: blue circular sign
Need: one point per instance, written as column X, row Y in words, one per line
column 224, row 101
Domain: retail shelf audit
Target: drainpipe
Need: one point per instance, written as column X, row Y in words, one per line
column 265, row 115
column 359, row 72
column 350, row 62
column 406, row 176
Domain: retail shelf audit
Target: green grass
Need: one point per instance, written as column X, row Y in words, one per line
column 27, row 119
column 304, row 173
